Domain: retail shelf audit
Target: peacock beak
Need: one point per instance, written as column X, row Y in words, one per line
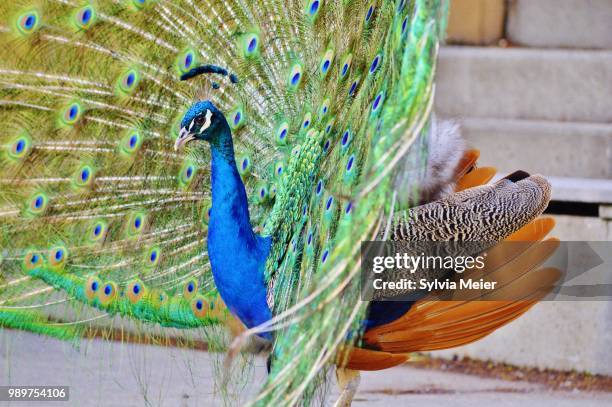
column 184, row 137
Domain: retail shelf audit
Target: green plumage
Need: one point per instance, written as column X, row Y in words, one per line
column 329, row 97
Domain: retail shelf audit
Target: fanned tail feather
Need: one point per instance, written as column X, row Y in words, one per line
column 101, row 217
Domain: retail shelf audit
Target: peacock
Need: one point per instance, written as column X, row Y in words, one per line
column 191, row 164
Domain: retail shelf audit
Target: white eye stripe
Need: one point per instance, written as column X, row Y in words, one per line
column 207, row 122
column 191, row 124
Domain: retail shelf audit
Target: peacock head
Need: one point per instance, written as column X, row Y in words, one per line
column 203, row 121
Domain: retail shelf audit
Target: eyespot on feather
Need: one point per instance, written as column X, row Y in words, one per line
column 310, row 239
column 71, row 114
column 190, row 288
column 37, row 204
column 325, row 254
column 320, row 187
column 32, row 260
column 279, row 169
column 128, row 81
column 326, row 62
column 348, row 209
column 83, row 177
column 262, row 193
column 187, row 174
column 306, row 122
column 135, row 291
column 107, row 293
column 250, row 45
column 329, row 126
column 282, row 131
column 354, row 86
column 199, row 306
column 378, row 102
column 375, row 65
column 186, row 60
column 84, row 17
column 92, row 287
column 130, row 143
column 136, row 223
column 369, row 13
column 324, row 108
column 326, row 145
column 244, row 165
column 20, row 147
column 350, row 169
column 345, row 66
column 329, row 204
column 58, row 256
column 152, row 257
column 312, row 8
column 97, row 231
column 237, row 118
column 347, row 136
column 28, row 22
column 295, row 76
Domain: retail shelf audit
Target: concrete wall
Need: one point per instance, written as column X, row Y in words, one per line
column 560, row 23
column 542, row 104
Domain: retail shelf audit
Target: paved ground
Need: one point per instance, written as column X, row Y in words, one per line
column 113, row 374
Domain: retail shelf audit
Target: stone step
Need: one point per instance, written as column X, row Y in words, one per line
column 581, row 190
column 560, row 23
column 524, row 83
column 575, row 150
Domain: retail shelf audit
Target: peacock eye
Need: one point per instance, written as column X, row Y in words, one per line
column 28, row 22
column 369, row 13
column 324, row 257
column 378, row 102
column 375, row 64
column 85, row 17
column 348, row 208
column 404, row 25
column 252, row 45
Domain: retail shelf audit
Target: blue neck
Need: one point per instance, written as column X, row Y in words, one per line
column 237, row 255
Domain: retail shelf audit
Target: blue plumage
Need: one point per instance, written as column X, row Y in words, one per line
column 237, row 255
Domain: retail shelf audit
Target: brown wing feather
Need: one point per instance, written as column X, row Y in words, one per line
column 367, row 359
column 432, row 324
column 467, row 163
column 476, row 177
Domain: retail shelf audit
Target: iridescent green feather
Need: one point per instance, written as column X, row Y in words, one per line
column 91, row 191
